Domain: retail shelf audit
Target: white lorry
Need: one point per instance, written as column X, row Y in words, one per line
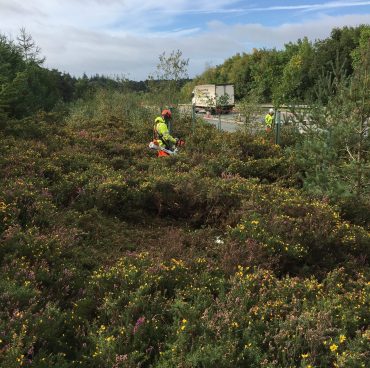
column 211, row 97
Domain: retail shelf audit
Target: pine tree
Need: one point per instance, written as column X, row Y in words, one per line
column 28, row 48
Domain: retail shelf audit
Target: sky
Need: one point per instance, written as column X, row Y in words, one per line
column 125, row 37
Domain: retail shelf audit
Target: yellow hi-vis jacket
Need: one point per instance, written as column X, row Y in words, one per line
column 163, row 136
column 268, row 120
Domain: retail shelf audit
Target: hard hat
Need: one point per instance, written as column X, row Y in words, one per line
column 159, row 120
column 166, row 113
column 271, row 111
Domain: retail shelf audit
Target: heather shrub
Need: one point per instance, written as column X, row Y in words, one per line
column 176, row 313
column 6, row 214
column 304, row 234
column 258, row 147
column 111, row 257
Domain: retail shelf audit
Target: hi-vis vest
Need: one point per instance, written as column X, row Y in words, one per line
column 268, row 120
column 163, row 136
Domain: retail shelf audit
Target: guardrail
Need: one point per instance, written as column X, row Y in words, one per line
column 256, row 123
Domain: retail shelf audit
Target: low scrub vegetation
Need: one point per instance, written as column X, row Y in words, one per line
column 215, row 257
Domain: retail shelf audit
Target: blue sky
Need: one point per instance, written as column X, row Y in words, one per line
column 269, row 13
column 125, row 37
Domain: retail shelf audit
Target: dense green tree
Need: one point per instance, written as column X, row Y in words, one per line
column 25, row 86
column 334, row 156
column 11, row 62
column 288, row 75
column 236, row 70
column 360, row 55
column 295, row 79
column 242, row 76
column 340, row 44
column 65, row 85
column 266, row 69
column 32, row 89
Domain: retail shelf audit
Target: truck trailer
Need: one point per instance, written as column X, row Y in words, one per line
column 213, row 97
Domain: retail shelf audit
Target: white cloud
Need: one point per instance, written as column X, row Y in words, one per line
column 314, row 7
column 126, row 36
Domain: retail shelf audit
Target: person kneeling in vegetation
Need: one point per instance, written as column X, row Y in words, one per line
column 162, row 135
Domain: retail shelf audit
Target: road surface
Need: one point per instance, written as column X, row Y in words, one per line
column 229, row 122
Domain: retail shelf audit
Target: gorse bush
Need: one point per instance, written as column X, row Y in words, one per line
column 304, row 234
column 111, row 257
column 174, row 313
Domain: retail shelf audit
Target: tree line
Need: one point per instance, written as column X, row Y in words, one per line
column 27, row 86
column 291, row 74
column 296, row 73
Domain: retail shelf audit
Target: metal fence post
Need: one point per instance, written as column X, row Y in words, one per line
column 193, row 116
column 277, row 128
column 170, row 120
